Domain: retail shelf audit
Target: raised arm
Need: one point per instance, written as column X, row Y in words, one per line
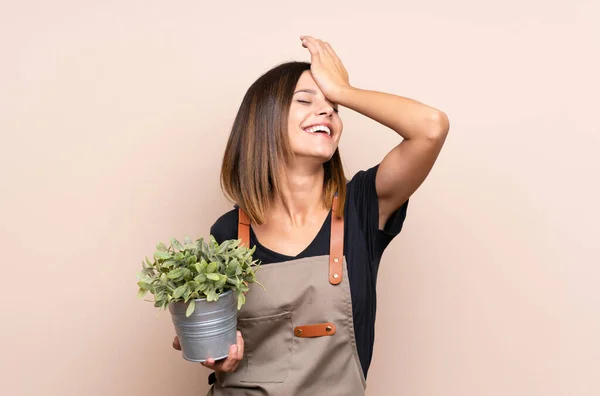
column 423, row 128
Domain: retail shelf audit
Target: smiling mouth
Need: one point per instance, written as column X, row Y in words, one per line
column 319, row 129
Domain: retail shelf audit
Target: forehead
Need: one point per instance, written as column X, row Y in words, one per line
column 306, row 81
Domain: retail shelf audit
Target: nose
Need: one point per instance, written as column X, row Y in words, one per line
column 326, row 110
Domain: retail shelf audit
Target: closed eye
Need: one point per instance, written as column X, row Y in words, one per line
column 335, row 109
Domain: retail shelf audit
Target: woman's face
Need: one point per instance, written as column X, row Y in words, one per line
column 314, row 126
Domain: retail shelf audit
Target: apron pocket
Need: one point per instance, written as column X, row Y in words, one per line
column 267, row 348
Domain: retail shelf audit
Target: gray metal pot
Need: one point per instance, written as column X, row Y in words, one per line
column 210, row 330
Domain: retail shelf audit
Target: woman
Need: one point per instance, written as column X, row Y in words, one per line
column 319, row 238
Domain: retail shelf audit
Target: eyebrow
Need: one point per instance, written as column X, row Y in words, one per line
column 310, row 91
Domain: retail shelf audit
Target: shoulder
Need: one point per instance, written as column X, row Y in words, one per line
column 225, row 227
column 361, row 193
column 363, row 211
column 363, row 178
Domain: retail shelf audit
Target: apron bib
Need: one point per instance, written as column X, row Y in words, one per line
column 299, row 333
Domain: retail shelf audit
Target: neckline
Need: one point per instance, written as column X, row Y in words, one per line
column 284, row 257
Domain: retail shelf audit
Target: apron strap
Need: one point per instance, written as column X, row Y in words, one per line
column 336, row 242
column 244, row 228
column 336, row 245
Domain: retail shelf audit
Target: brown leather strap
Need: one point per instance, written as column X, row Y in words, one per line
column 336, row 242
column 336, row 247
column 244, row 228
column 314, row 330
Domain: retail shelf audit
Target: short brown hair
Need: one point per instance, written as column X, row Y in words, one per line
column 258, row 146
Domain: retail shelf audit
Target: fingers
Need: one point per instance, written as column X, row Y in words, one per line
column 311, row 44
column 318, row 47
column 314, row 45
column 232, row 361
column 330, row 50
column 228, row 364
column 236, row 354
column 209, row 363
column 176, row 343
column 240, row 344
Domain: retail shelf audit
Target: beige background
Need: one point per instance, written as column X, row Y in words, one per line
column 113, row 119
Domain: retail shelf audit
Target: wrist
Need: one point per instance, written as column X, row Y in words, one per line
column 341, row 93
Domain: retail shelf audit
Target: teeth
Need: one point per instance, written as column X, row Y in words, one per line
column 321, row 128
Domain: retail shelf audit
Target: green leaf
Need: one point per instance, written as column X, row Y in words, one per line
column 232, row 267
column 241, row 300
column 176, row 273
column 144, row 285
column 163, row 278
column 179, row 291
column 161, row 247
column 203, row 246
column 250, row 277
column 190, row 309
column 189, row 246
column 141, row 293
column 211, row 295
column 162, row 255
column 143, row 277
column 175, row 243
column 179, row 256
column 200, row 278
column 147, row 271
column 187, row 239
column 222, row 281
column 233, row 281
column 169, row 263
column 223, row 247
column 213, row 276
column 212, row 267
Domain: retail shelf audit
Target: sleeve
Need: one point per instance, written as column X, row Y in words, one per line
column 362, row 195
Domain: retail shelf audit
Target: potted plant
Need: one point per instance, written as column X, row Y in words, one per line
column 204, row 285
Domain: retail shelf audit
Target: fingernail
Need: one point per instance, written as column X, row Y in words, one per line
column 239, row 333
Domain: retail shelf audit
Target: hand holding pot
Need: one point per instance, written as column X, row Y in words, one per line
column 236, row 353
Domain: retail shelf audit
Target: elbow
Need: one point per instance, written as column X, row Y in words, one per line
column 438, row 126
